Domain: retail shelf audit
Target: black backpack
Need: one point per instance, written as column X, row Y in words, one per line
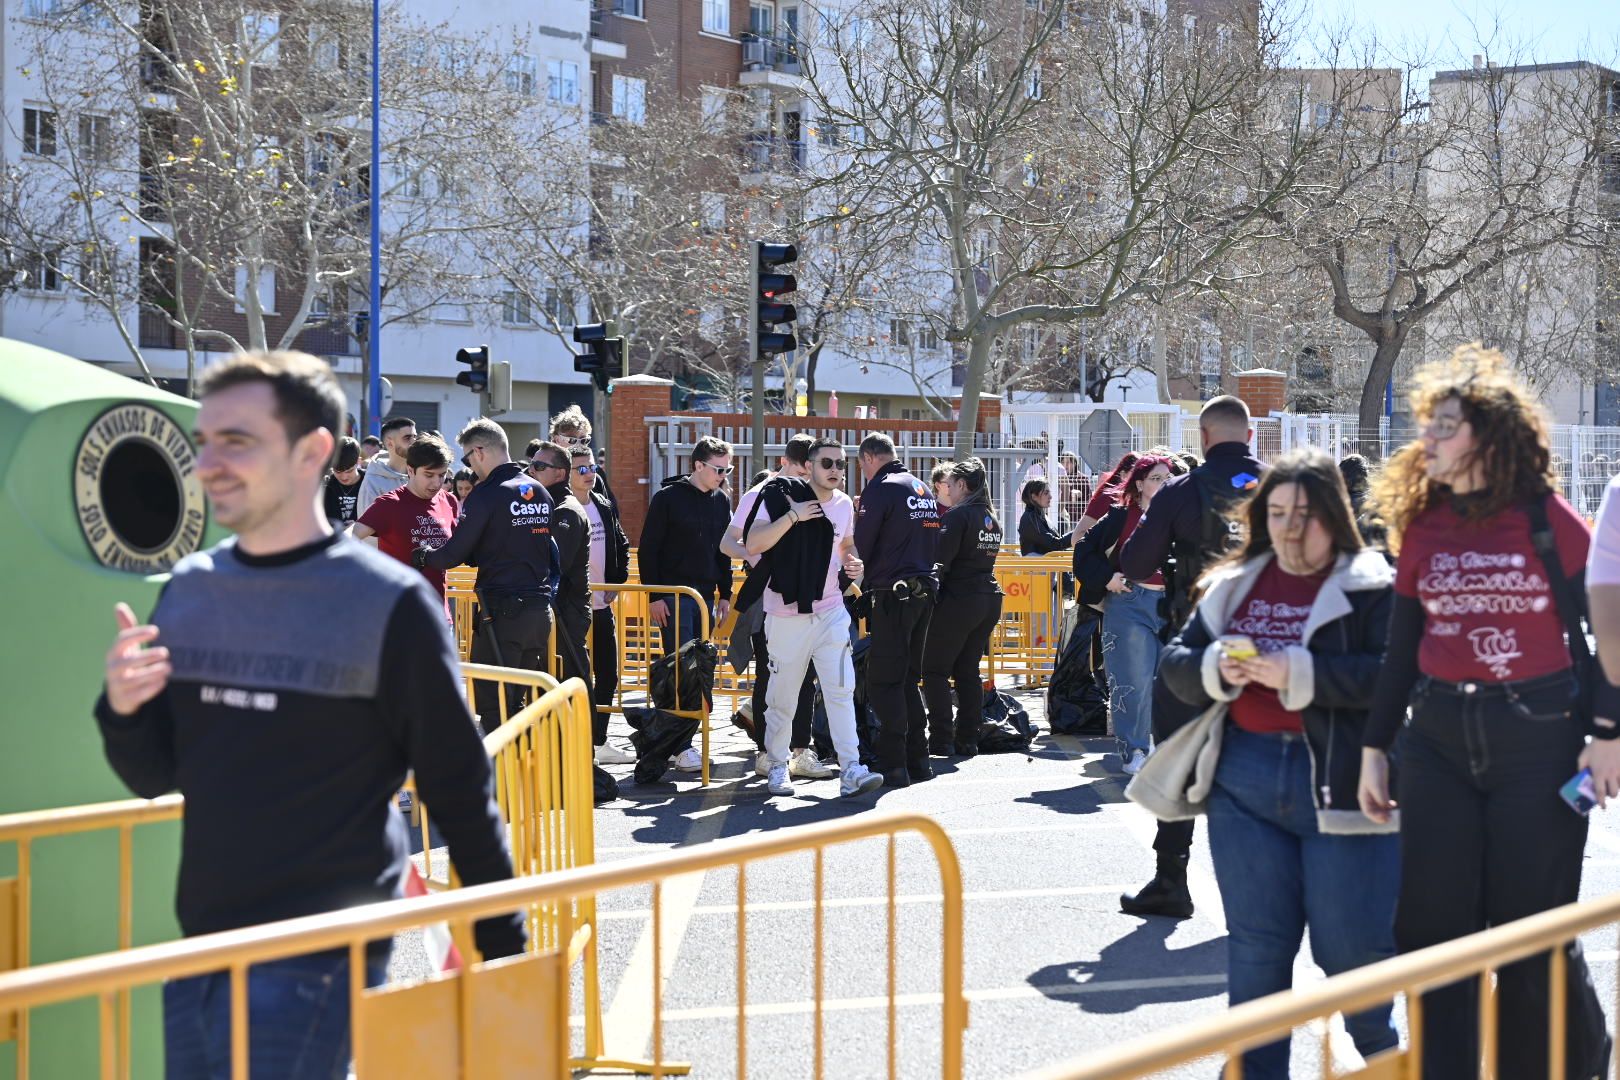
column 1218, row 534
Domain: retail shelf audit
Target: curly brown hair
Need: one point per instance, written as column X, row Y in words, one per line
column 1510, row 441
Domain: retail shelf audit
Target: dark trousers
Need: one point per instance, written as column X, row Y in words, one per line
column 521, row 639
column 958, row 637
column 1170, row 714
column 1485, row 840
column 574, row 630
column 762, row 680
column 605, row 666
column 899, row 629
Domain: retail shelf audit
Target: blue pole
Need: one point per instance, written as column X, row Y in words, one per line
column 374, row 323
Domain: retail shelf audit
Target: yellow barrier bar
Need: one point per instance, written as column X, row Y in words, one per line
column 237, row 950
column 1254, row 1023
column 653, row 651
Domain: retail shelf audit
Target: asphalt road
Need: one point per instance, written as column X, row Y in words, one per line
column 1053, row 969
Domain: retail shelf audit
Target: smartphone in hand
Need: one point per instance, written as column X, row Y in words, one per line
column 1579, row 793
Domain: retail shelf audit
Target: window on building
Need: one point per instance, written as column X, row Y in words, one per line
column 562, row 82
column 516, row 309
column 42, row 270
column 927, row 338
column 915, row 414
column 717, row 16
column 266, row 288
column 522, row 76
column 95, row 138
column 454, row 311
column 899, row 333
column 761, row 20
column 96, row 268
column 1032, row 87
column 631, row 8
column 630, row 99
column 1147, row 18
column 712, row 210
column 39, row 132
column 1324, row 114
column 42, row 9
column 261, row 40
column 325, row 48
column 623, row 196
column 714, row 108
column 560, row 305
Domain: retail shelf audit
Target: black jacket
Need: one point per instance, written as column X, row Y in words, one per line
column 505, row 531
column 797, row 563
column 969, row 541
column 1331, row 675
column 896, row 528
column 571, row 528
column 616, row 565
column 1182, row 532
column 680, row 542
column 1096, row 556
column 1037, row 537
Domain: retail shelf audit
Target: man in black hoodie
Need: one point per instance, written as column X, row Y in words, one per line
column 1182, row 534
column 680, row 545
column 571, row 528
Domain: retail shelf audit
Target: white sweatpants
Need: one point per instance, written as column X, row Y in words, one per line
column 796, row 640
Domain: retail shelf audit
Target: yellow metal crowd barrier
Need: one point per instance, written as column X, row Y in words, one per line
column 1255, row 1023
column 510, row 1018
column 1024, row 644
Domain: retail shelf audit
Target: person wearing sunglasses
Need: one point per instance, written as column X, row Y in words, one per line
column 571, row 429
column 505, row 531
column 609, row 564
column 687, row 518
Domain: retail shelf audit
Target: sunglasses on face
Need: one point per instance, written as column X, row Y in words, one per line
column 830, row 462
column 551, row 465
column 725, row 471
column 574, row 440
column 585, row 470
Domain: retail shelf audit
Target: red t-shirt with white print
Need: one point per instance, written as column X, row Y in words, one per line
column 404, row 522
column 1273, row 615
column 1489, row 610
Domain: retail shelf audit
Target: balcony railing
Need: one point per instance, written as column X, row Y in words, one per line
column 329, row 340
column 769, row 53
column 774, row 154
column 156, row 332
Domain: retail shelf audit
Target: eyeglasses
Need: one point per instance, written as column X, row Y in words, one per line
column 552, row 465
column 830, row 462
column 1441, row 428
column 585, row 470
column 574, row 440
column 466, row 459
column 723, row 471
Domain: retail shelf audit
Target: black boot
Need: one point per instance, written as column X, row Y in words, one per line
column 896, row 778
column 1165, row 895
column 940, row 742
column 919, row 770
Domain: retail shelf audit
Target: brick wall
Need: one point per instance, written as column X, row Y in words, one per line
column 632, row 400
column 1263, row 390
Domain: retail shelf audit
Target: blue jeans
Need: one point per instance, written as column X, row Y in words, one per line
column 298, row 1019
column 1130, row 638
column 1278, row 875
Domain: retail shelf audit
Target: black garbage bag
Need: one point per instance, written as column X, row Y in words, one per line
column 1077, row 696
column 657, row 736
column 698, row 660
column 1007, row 728
column 606, row 788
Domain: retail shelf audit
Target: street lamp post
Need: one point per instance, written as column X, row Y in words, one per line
column 374, row 337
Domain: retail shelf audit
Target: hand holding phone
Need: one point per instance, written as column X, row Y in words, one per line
column 1579, row 792
column 1239, row 647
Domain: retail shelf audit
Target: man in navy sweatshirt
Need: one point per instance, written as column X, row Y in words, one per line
column 247, row 693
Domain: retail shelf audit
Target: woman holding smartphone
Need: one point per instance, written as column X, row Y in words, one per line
column 1477, row 649
column 1288, row 636
column 1131, row 622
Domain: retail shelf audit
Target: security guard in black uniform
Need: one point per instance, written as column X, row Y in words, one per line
column 505, row 531
column 896, row 533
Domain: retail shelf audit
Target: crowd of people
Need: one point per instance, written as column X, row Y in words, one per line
column 1374, row 683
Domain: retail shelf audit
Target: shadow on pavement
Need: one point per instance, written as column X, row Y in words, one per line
column 1103, row 785
column 1141, row 956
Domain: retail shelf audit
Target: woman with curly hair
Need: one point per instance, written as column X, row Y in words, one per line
column 1490, row 560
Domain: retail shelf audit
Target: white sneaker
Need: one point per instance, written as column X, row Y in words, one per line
column 779, row 783
column 689, row 760
column 805, row 764
column 762, row 764
column 1134, row 766
column 608, row 754
column 858, row 780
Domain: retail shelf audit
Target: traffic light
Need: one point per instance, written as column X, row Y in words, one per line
column 605, row 360
column 476, row 378
column 767, row 287
column 500, row 388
